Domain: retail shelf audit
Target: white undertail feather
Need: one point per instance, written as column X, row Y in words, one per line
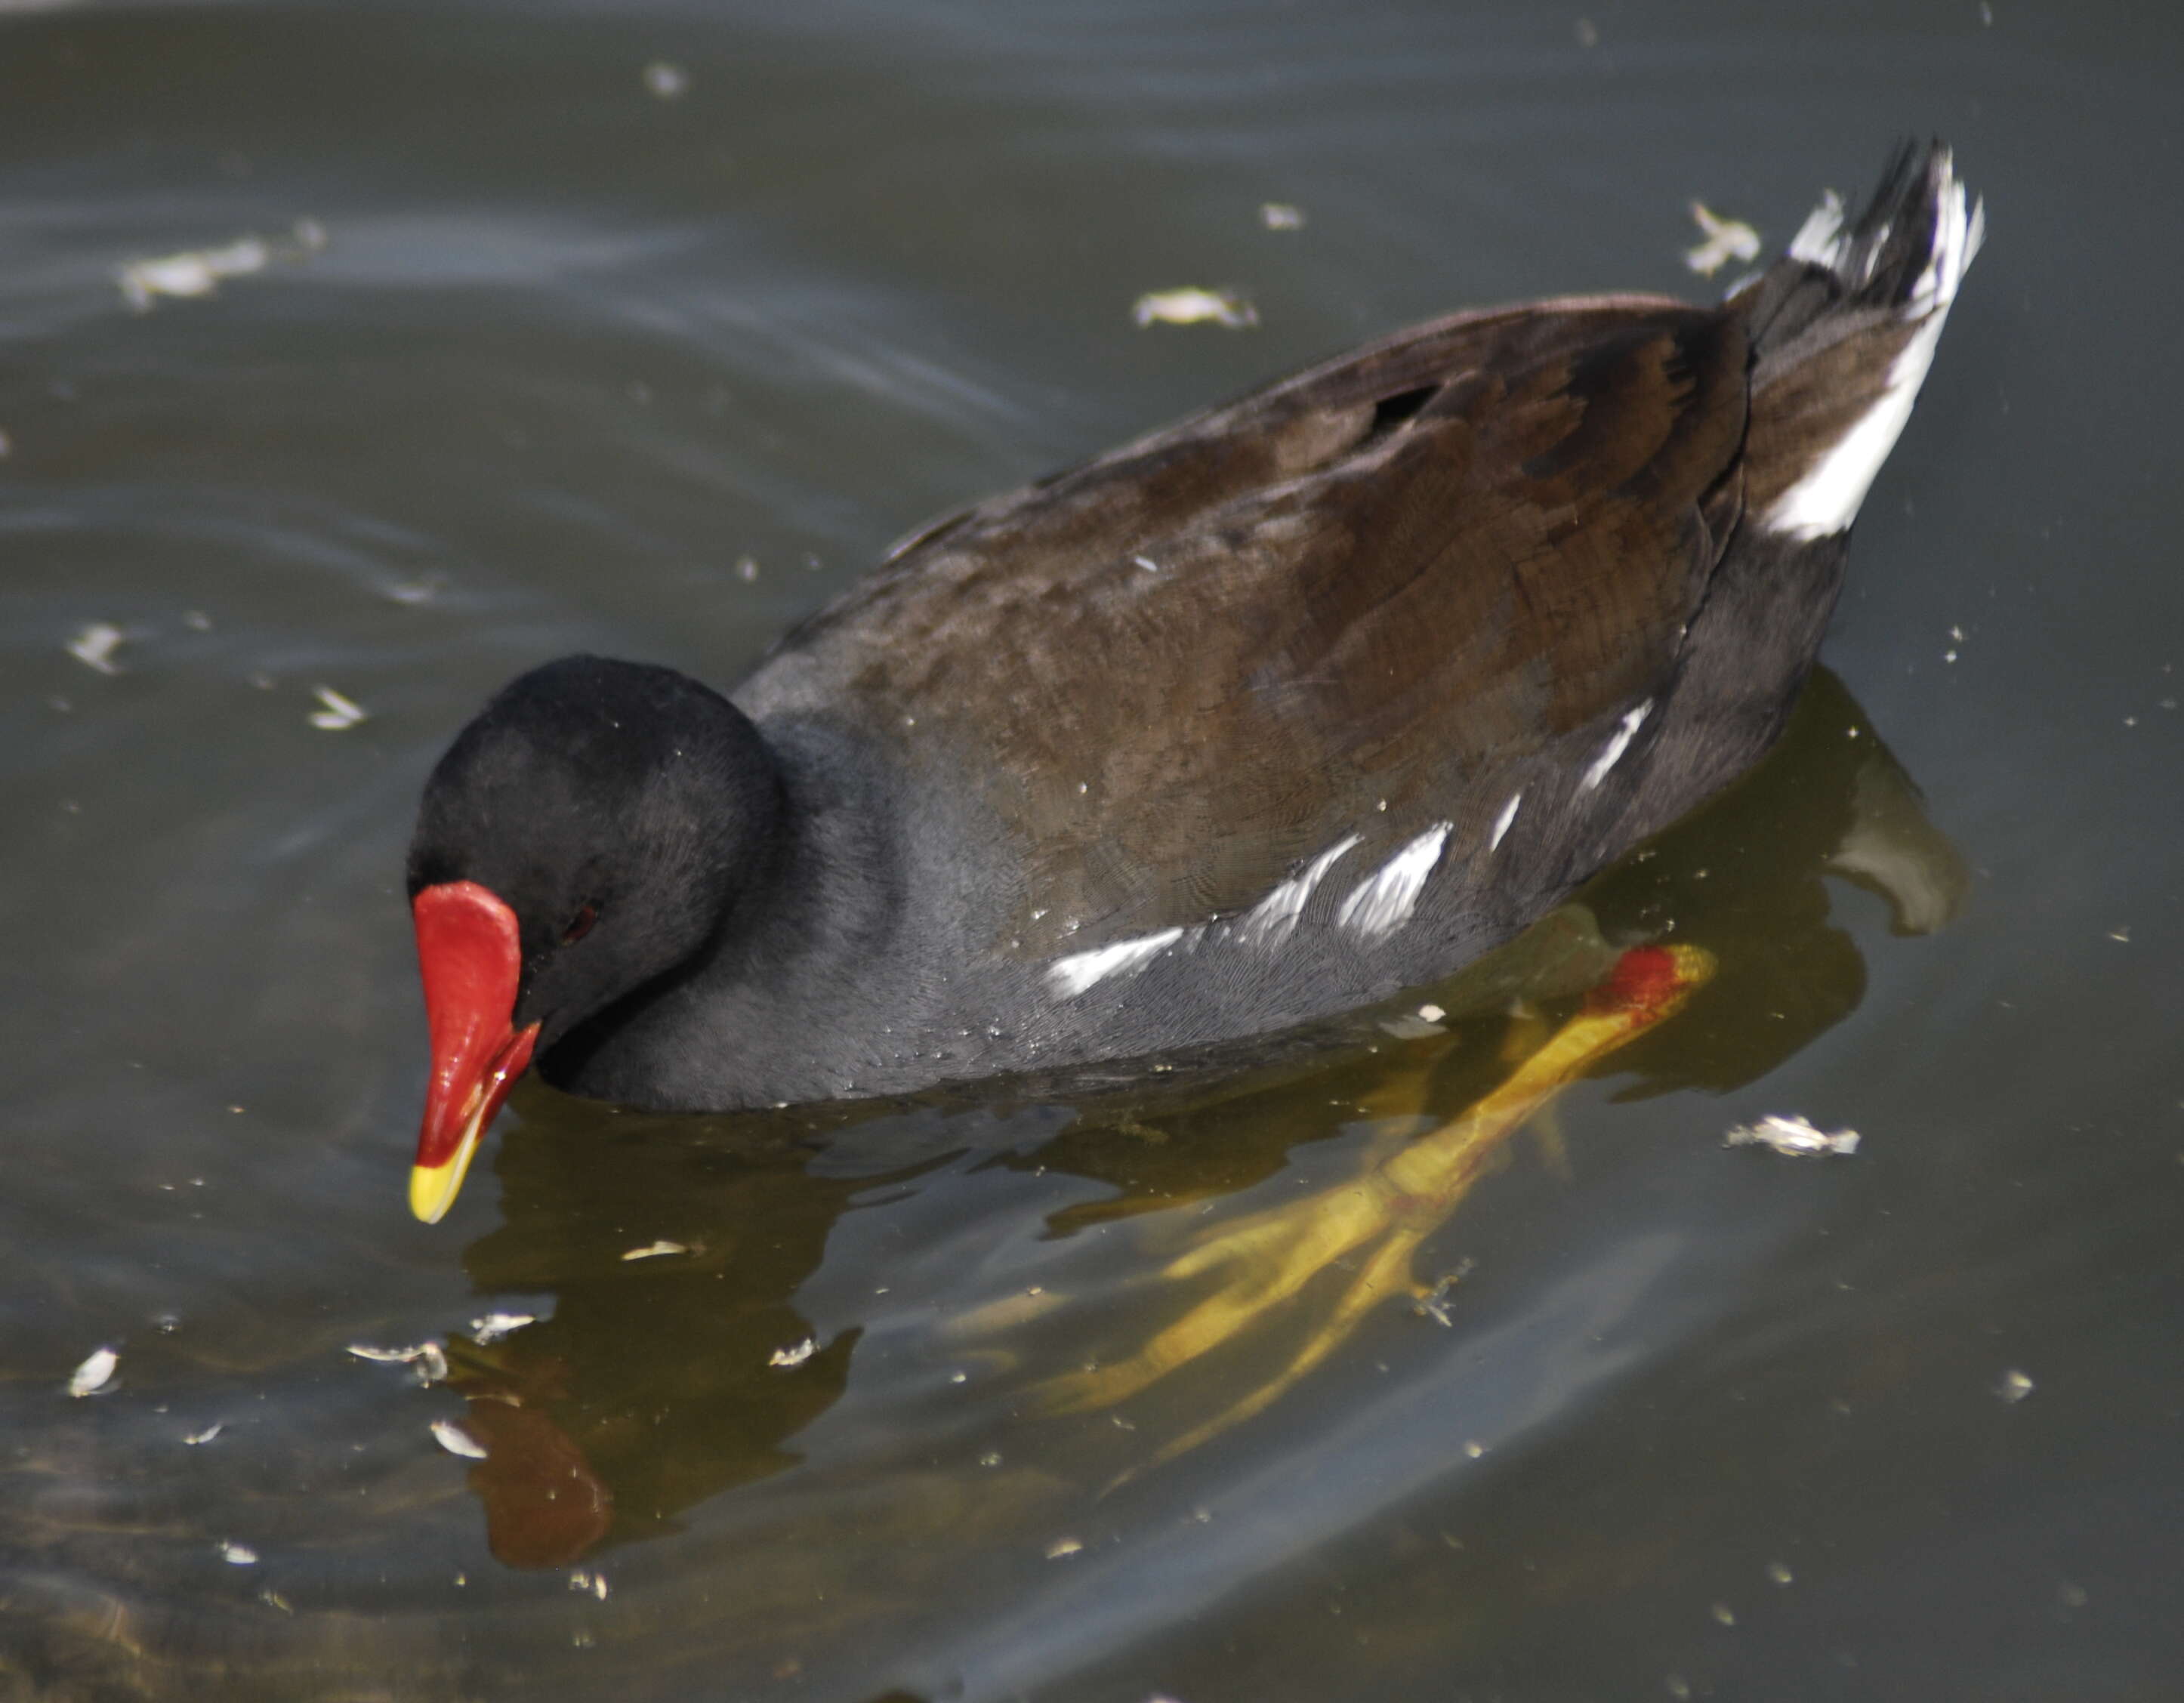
column 1382, row 902
column 1827, row 498
column 1819, row 238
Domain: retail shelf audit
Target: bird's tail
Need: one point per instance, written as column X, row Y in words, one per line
column 1843, row 330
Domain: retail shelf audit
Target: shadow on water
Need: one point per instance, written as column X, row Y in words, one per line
column 677, row 1363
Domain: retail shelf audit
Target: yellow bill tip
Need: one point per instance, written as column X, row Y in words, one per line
column 434, row 1188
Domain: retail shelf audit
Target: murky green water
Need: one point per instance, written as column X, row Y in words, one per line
column 596, row 354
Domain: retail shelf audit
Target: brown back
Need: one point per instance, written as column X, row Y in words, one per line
column 1185, row 666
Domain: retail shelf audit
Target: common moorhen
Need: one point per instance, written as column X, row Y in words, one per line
column 1306, row 700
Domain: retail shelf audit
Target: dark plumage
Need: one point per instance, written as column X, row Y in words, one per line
column 1041, row 789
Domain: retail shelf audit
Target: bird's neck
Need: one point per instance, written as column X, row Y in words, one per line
column 831, row 952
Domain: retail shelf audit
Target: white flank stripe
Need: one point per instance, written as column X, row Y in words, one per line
column 1070, row 976
column 1617, row 743
column 1273, row 918
column 1501, row 822
column 1827, row 499
column 1382, row 902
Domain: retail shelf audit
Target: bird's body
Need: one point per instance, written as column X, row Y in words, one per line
column 1302, row 701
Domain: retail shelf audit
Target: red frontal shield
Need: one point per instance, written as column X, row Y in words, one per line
column 470, row 956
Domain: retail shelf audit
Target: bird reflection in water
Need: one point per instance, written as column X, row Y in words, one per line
column 659, row 1382
column 652, row 1386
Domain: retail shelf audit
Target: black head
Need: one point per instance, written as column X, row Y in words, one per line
column 618, row 809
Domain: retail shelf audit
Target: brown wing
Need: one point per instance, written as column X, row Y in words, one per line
column 1326, row 609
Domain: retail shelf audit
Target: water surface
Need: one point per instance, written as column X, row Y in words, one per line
column 640, row 330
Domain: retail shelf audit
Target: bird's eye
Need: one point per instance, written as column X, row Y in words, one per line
column 580, row 925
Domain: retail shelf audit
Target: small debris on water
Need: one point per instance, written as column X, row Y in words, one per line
column 339, row 712
column 1779, row 1572
column 211, row 1431
column 194, row 272
column 403, row 1356
column 796, row 1354
column 1795, row 1137
column 238, row 1555
column 1588, row 33
column 1726, row 240
column 1432, row 1014
column 95, row 1374
column 428, row 1357
column 666, row 82
column 747, row 569
column 1190, row 306
column 992, row 1457
column 1723, row 1613
column 1474, row 1450
column 421, row 590
column 456, row 1441
column 590, row 1584
column 2121, row 935
column 1063, row 1546
column 1434, row 1304
column 273, row 1598
column 2014, row 1387
column 94, row 647
column 1280, row 215
column 654, row 1250
column 494, row 1325
column 200, row 271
